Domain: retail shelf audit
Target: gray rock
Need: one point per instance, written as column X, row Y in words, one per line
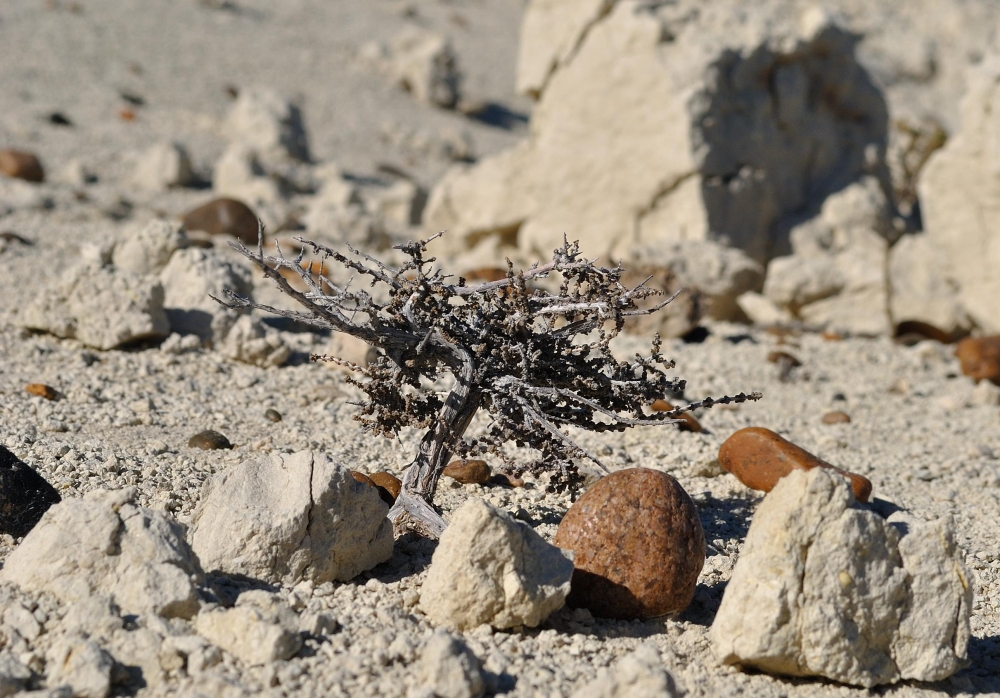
column 422, row 63
column 490, row 568
column 637, row 675
column 147, row 250
column 449, row 669
column 163, row 166
column 920, row 287
column 190, row 280
column 268, row 124
column 13, row 674
column 105, row 544
column 249, row 341
column 101, row 307
column 291, row 517
column 79, row 662
column 826, row 588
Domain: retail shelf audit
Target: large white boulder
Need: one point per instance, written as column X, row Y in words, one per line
column 960, row 199
column 920, row 289
column 490, row 568
column 285, row 518
column 102, row 307
column 824, row 587
column 105, row 544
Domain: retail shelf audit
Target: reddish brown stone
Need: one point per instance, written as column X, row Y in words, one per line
column 42, row 390
column 486, row 274
column 224, row 216
column 759, row 457
column 638, row 546
column 832, row 336
column 362, row 478
column 22, row 165
column 468, row 472
column 383, row 493
column 126, row 114
column 209, row 440
column 980, row 358
column 387, row 481
column 505, row 480
column 836, row 417
column 909, row 332
column 688, row 421
column 784, row 358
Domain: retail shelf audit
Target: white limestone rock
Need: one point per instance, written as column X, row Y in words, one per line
column 636, row 675
column 959, row 192
column 401, row 204
column 422, row 63
column 13, row 674
column 189, row 280
column 490, row 568
column 291, row 517
column 251, row 342
column 163, row 166
column 77, row 661
column 449, row 669
column 920, row 288
column 238, row 174
column 762, row 311
column 147, row 249
column 824, row 587
column 253, row 634
column 105, row 544
column 268, row 124
column 101, row 307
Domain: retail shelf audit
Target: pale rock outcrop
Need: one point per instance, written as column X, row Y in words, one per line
column 836, row 277
column 102, row 307
column 824, row 587
column 421, row 62
column 449, row 669
column 401, row 204
column 190, row 279
column 13, row 674
column 250, row 341
column 105, row 544
column 762, row 311
column 291, row 517
column 920, row 288
column 147, row 249
column 268, row 124
column 79, row 662
column 636, row 675
column 490, row 568
column 163, row 166
column 658, row 127
column 258, row 630
column 960, row 199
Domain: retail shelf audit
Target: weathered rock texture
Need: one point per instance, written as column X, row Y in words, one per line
column 256, row 631
column 268, row 124
column 825, row 588
column 960, row 199
column 101, row 307
column 106, row 544
column 291, row 517
column 669, row 124
column 490, row 568
column 447, row 668
column 636, row 675
column 147, row 250
column 190, row 279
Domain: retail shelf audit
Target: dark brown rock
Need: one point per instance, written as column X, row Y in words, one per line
column 980, row 358
column 783, row 358
column 209, row 440
column 272, row 415
column 759, row 457
column 42, row 390
column 362, row 478
column 688, row 421
column 909, row 332
column 384, row 494
column 224, row 216
column 638, row 546
column 24, row 495
column 836, row 417
column 505, row 480
column 468, row 472
column 21, row 165
column 387, row 481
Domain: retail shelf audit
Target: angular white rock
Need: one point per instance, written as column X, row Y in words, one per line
column 449, row 669
column 189, row 280
column 248, row 633
column 105, row 544
column 823, row 587
column 147, row 250
column 291, row 517
column 762, row 311
column 421, row 62
column 101, row 307
column 268, row 124
column 490, row 568
column 163, row 166
column 81, row 663
column 920, row 288
column 249, row 341
column 636, row 675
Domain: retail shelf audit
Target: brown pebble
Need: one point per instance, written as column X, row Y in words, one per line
column 832, row 336
column 362, row 478
column 783, row 357
column 836, row 417
column 273, row 415
column 638, row 546
column 688, row 421
column 224, row 216
column 909, row 332
column 758, row 458
column 388, row 482
column 21, row 165
column 468, row 472
column 486, row 274
column 980, row 358
column 505, row 480
column 209, row 440
column 384, row 494
column 42, row 390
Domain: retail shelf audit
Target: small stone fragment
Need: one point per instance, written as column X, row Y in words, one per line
column 163, row 166
column 21, row 165
column 637, row 675
column 272, row 415
column 209, row 440
column 248, row 634
column 783, row 358
column 224, row 216
column 251, row 341
column 24, row 495
column 81, row 663
column 980, row 358
column 688, row 421
column 490, row 568
column 449, row 669
column 911, row 332
column 42, row 390
column 836, row 417
column 759, row 457
column 638, row 546
column 468, row 472
column 387, row 481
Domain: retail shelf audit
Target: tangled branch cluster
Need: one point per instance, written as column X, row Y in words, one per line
column 537, row 361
